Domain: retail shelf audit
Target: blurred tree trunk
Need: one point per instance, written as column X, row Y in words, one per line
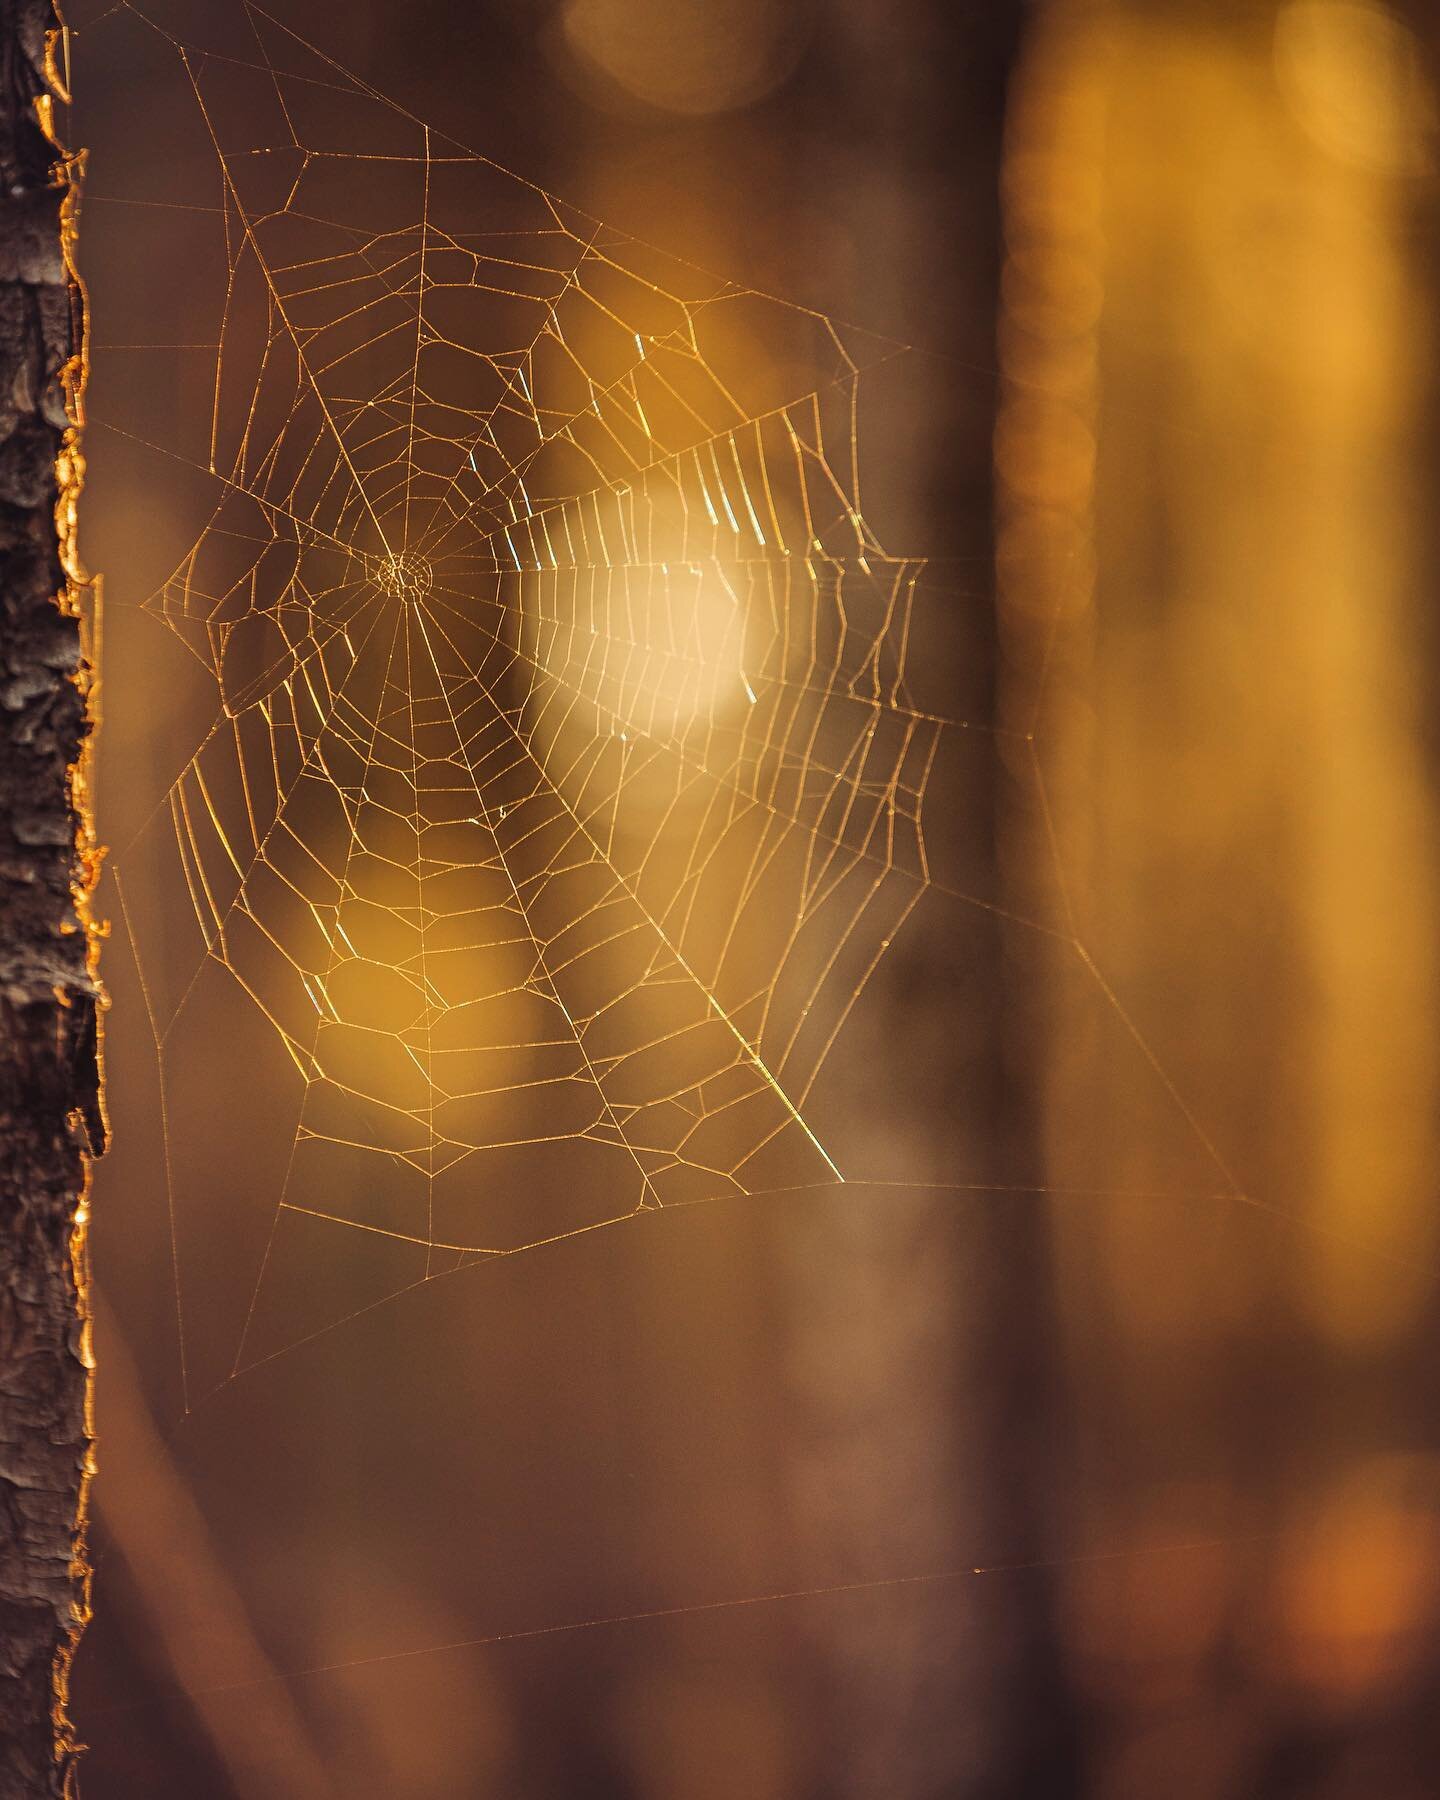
column 49, row 1066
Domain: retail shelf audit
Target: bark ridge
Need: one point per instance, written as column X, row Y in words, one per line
column 50, row 1001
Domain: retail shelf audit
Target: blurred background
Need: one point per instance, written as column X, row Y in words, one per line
column 1085, row 1442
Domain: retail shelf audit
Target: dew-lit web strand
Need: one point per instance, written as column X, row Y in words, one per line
column 162, row 1085
column 613, row 487
column 258, row 860
column 409, row 458
column 487, row 422
column 718, row 565
column 228, row 481
column 836, row 843
column 368, row 241
column 423, row 912
column 294, row 659
column 415, row 783
column 783, row 753
column 264, row 268
column 307, row 1082
column 483, row 1258
column 647, row 1187
column 696, row 567
column 482, row 1253
column 622, row 723
column 887, row 704
column 748, row 1049
column 923, row 880
column 561, row 429
column 667, row 464
column 261, row 844
column 265, row 503
column 537, row 944
column 589, row 836
column 233, row 212
column 701, row 1608
column 681, row 933
column 160, row 1035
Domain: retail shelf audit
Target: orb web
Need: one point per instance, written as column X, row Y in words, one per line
column 563, row 784
column 568, row 745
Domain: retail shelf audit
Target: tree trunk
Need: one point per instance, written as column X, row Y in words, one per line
column 50, row 1121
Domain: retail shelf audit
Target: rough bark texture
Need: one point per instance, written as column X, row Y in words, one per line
column 50, row 1120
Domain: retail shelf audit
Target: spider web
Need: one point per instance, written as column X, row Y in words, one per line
column 566, row 759
column 563, row 780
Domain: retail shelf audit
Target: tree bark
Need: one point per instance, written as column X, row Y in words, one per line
column 50, row 1118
